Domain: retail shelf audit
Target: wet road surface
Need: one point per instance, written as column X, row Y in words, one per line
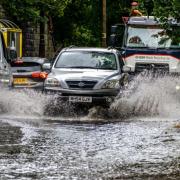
column 139, row 149
column 136, row 138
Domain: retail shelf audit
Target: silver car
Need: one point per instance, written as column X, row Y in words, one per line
column 28, row 73
column 86, row 75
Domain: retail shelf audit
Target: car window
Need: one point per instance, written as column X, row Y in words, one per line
column 25, row 67
column 81, row 59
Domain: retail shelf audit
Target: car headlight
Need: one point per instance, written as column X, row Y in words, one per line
column 111, row 84
column 177, row 87
column 52, row 82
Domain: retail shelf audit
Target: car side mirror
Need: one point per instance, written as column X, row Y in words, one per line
column 46, row 66
column 12, row 54
column 126, row 69
column 117, row 35
column 112, row 40
column 114, row 29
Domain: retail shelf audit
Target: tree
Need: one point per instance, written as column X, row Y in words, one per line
column 34, row 11
column 80, row 25
column 29, row 10
column 167, row 8
column 163, row 10
column 78, row 22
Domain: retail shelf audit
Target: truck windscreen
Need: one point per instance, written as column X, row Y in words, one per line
column 152, row 37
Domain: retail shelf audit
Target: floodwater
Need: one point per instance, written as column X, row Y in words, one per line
column 136, row 138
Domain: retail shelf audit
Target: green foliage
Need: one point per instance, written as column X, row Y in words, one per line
column 163, row 10
column 81, row 36
column 80, row 25
column 168, row 8
column 79, row 22
column 29, row 10
column 75, row 21
column 20, row 10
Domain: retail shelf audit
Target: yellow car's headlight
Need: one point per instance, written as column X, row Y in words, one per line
column 111, row 84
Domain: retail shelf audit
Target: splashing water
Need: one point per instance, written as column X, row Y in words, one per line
column 149, row 96
column 145, row 96
column 22, row 102
column 26, row 103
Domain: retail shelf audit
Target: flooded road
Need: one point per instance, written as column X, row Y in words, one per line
column 125, row 150
column 137, row 138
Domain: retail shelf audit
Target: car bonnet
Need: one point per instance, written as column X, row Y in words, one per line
column 79, row 74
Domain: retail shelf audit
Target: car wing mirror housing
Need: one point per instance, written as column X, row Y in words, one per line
column 126, row 69
column 12, row 54
column 46, row 66
column 112, row 40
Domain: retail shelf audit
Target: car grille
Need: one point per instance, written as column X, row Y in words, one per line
column 152, row 67
column 81, row 84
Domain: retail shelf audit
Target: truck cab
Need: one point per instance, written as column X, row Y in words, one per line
column 5, row 71
column 146, row 45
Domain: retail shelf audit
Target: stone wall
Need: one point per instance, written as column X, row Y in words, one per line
column 31, row 40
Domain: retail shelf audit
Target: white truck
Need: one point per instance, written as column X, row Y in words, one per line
column 144, row 44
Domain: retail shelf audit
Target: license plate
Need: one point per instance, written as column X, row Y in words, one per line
column 80, row 99
column 20, row 81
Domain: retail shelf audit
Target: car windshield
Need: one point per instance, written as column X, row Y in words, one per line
column 152, row 37
column 25, row 67
column 81, row 59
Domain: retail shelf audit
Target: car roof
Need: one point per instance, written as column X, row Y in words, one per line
column 39, row 60
column 151, row 20
column 90, row 49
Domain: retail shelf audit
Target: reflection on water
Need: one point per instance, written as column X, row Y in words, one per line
column 10, row 139
column 90, row 151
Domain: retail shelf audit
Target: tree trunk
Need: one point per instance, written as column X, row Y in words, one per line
column 103, row 23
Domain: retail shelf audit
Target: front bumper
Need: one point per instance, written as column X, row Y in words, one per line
column 99, row 97
column 38, row 88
